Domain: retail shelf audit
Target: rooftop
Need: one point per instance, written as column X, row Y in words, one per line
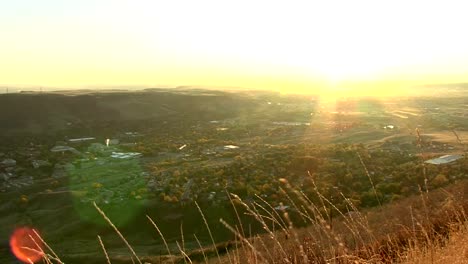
column 444, row 159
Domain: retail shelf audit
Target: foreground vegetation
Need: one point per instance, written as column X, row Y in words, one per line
column 424, row 228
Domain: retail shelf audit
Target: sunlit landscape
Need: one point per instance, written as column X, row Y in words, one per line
column 233, row 132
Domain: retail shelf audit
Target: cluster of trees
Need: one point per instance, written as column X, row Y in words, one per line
column 367, row 178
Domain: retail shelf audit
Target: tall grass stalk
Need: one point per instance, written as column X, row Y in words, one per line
column 47, row 246
column 282, row 224
column 370, row 178
column 201, row 249
column 182, row 235
column 243, row 239
column 161, row 235
column 104, row 249
column 186, row 257
column 253, row 211
column 209, row 231
column 239, row 222
column 117, row 231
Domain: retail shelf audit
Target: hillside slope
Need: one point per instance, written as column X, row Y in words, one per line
column 49, row 112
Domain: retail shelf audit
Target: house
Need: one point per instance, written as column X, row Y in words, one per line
column 64, row 149
column 8, row 163
column 281, row 207
column 125, row 155
column 444, row 159
column 75, row 140
column 228, row 147
column 40, row 163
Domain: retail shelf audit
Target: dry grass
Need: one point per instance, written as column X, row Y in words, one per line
column 428, row 228
column 432, row 223
column 453, row 250
column 448, row 137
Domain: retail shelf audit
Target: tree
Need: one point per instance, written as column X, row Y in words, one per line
column 439, row 180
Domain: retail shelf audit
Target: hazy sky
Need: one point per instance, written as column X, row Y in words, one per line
column 286, row 45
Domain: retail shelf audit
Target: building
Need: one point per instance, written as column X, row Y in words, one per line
column 444, row 159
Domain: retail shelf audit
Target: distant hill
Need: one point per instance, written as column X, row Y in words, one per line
column 34, row 112
column 443, row 89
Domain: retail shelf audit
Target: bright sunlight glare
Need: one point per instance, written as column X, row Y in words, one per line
column 285, row 46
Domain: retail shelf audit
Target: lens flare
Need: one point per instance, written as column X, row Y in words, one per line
column 26, row 245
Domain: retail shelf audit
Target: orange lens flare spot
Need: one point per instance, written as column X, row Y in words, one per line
column 26, row 245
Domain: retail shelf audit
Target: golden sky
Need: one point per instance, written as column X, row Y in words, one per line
column 366, row 46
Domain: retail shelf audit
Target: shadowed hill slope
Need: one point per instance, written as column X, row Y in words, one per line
column 38, row 113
